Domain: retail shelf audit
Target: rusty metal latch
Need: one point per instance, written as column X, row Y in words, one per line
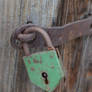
column 58, row 35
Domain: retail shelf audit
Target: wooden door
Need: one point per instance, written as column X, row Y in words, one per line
column 76, row 55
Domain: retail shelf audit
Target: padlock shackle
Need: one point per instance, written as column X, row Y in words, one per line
column 26, row 49
column 43, row 33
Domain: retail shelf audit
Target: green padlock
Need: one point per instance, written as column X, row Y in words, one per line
column 44, row 68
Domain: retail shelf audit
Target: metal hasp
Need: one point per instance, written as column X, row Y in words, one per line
column 44, row 67
column 58, row 35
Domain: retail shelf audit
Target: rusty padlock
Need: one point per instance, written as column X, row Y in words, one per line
column 44, row 68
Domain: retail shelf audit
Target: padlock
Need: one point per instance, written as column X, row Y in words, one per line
column 44, row 68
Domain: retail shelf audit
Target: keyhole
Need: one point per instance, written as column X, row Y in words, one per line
column 45, row 76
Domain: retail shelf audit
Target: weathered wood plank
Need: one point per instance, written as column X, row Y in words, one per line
column 71, row 52
column 9, row 18
column 85, row 73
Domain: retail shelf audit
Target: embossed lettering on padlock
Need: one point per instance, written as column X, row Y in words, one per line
column 44, row 68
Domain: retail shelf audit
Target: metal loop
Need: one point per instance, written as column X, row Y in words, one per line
column 43, row 33
column 26, row 37
column 18, row 37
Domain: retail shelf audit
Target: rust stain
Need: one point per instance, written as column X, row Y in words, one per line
column 71, row 35
column 35, row 61
column 48, row 88
column 32, row 69
column 51, row 56
column 40, row 60
column 52, row 67
column 89, row 74
column 80, row 34
column 29, row 62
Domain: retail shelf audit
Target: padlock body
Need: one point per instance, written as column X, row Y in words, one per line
column 44, row 62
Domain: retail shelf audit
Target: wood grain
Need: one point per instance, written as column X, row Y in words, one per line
column 72, row 51
column 75, row 55
column 9, row 19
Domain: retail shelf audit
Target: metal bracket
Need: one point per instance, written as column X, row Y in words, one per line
column 58, row 35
